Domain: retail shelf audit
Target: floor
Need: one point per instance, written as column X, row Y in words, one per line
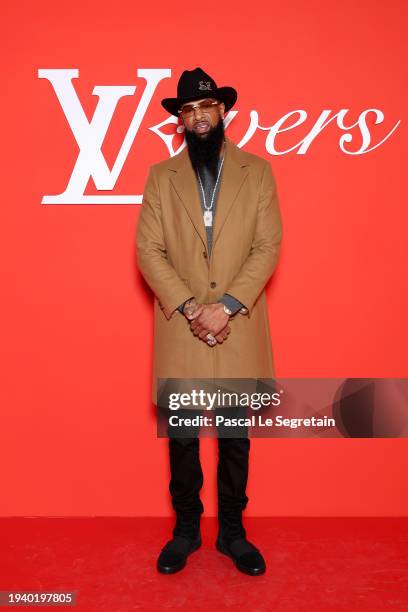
column 313, row 565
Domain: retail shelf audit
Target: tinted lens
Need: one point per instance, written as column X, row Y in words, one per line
column 206, row 104
column 187, row 110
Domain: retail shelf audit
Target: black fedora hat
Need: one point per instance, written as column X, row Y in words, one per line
column 196, row 84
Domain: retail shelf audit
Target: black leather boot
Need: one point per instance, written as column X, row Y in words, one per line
column 186, row 539
column 231, row 541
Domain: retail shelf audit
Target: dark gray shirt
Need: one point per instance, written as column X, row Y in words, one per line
column 209, row 182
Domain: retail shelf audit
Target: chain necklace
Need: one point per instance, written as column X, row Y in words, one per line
column 208, row 215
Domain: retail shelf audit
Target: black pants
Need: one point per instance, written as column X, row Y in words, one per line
column 232, row 470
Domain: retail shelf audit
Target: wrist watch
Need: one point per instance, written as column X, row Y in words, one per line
column 227, row 310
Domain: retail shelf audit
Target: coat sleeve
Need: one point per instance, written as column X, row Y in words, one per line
column 263, row 257
column 152, row 259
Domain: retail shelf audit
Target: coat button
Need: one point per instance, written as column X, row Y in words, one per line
column 213, row 284
column 205, row 254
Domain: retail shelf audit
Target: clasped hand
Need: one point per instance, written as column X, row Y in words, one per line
column 209, row 319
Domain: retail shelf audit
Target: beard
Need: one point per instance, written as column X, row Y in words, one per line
column 205, row 150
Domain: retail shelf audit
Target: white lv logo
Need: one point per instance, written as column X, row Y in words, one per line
column 90, row 135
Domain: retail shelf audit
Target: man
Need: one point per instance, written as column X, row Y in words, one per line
column 208, row 240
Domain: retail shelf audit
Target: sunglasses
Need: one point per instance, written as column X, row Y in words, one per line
column 206, row 106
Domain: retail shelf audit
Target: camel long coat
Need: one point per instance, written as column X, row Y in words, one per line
column 173, row 258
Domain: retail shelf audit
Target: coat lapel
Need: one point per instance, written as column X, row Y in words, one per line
column 184, row 181
column 234, row 173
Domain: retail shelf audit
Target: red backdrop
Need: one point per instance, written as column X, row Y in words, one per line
column 78, row 427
